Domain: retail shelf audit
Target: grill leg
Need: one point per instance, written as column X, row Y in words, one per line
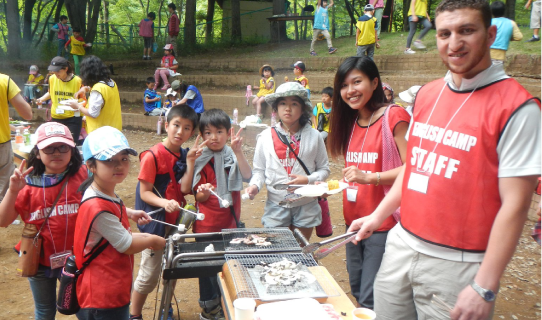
column 167, row 293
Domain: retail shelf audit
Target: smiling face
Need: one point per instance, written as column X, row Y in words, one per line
column 55, row 157
column 217, row 137
column 463, row 42
column 61, row 74
column 267, row 73
column 179, row 130
column 113, row 171
column 289, row 110
column 357, row 89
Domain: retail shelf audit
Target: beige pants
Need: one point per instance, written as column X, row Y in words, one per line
column 316, row 33
column 173, row 41
column 407, row 280
column 6, row 167
column 149, row 271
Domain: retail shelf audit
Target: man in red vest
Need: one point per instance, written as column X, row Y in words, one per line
column 473, row 158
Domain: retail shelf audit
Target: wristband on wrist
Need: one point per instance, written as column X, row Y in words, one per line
column 377, row 179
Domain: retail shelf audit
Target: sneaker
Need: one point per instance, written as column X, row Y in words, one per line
column 146, row 114
column 409, row 51
column 169, row 313
column 313, row 53
column 332, row 50
column 418, row 44
column 139, row 317
column 533, row 39
column 165, row 87
column 144, row 57
column 216, row 314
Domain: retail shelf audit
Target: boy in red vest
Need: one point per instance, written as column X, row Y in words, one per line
column 473, row 157
column 164, row 179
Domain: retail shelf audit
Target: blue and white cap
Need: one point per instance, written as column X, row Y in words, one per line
column 104, row 143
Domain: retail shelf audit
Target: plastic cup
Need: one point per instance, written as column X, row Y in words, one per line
column 244, row 308
column 363, row 313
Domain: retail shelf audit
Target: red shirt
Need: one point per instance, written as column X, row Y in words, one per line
column 173, row 25
column 216, row 218
column 369, row 160
column 286, row 157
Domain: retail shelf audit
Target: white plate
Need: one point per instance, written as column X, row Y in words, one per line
column 65, row 107
column 316, row 190
column 305, row 308
column 68, row 101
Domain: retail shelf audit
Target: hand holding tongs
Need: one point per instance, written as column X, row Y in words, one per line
column 324, row 252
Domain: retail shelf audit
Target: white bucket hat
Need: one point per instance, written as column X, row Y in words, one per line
column 409, row 95
column 289, row 89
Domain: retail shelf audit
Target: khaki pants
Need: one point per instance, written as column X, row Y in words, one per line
column 316, row 33
column 149, row 271
column 407, row 280
column 173, row 41
column 6, row 167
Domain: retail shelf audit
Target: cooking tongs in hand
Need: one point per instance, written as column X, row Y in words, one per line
column 325, row 251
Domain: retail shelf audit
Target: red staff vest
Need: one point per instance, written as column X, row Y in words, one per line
column 281, row 150
column 107, row 281
column 462, row 198
column 31, row 207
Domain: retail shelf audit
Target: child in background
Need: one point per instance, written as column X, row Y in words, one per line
column 151, row 99
column 321, row 112
column 168, row 66
column 278, row 164
column 388, row 93
column 103, row 288
column 54, row 167
column 146, row 30
column 366, row 29
column 267, row 86
column 77, row 48
column 417, row 13
column 162, row 167
column 223, row 169
column 299, row 69
column 190, row 95
column 33, row 83
column 63, row 34
column 507, row 30
column 170, row 98
column 409, row 96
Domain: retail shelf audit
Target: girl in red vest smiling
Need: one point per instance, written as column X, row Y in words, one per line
column 369, row 134
column 104, row 286
column 54, row 171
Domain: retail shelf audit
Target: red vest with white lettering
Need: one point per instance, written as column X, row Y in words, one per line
column 283, row 151
column 462, row 198
column 31, row 204
column 107, row 281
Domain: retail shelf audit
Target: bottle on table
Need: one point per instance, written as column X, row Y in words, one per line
column 235, row 116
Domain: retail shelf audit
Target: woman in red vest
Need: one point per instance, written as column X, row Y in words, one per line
column 370, row 135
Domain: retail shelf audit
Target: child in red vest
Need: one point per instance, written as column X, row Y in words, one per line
column 164, row 179
column 103, row 288
column 223, row 169
column 168, row 67
column 54, row 168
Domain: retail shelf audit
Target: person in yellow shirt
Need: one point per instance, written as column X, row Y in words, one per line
column 366, row 29
column 299, row 70
column 78, row 46
column 103, row 108
column 63, row 84
column 267, row 86
column 417, row 14
column 9, row 93
column 32, row 86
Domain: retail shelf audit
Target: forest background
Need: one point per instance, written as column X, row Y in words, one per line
column 111, row 25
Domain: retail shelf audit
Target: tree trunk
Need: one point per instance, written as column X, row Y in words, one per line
column 333, row 24
column 27, row 20
column 14, row 32
column 278, row 8
column 41, row 7
column 235, row 21
column 45, row 24
column 93, row 21
column 117, row 32
column 406, row 7
column 77, row 11
column 106, row 23
column 160, row 20
column 190, row 23
column 510, row 11
column 209, row 18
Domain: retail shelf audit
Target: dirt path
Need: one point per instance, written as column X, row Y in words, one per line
column 519, row 296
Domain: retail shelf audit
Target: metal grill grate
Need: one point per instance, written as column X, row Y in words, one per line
column 279, row 239
column 252, row 281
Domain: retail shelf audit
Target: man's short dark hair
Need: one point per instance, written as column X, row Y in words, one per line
column 150, row 80
column 185, row 112
column 216, row 118
column 151, row 15
column 62, row 18
column 479, row 5
column 497, row 9
column 172, row 6
column 328, row 91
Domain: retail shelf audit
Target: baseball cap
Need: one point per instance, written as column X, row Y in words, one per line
column 299, row 65
column 168, row 46
column 369, row 7
column 409, row 95
column 53, row 132
column 58, row 63
column 171, row 92
column 34, row 69
column 104, row 143
column 175, row 85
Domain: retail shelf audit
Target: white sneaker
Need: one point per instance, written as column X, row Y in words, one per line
column 409, row 51
column 418, row 44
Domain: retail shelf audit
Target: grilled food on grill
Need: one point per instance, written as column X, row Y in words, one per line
column 252, row 239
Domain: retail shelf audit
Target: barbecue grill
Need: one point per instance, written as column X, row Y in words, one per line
column 183, row 259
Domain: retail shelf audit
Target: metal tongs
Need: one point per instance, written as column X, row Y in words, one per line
column 325, row 251
column 284, row 186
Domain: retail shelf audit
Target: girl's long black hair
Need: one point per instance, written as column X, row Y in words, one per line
column 91, row 163
column 342, row 117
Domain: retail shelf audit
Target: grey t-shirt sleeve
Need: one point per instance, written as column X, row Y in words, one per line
column 109, row 227
column 190, row 95
column 519, row 146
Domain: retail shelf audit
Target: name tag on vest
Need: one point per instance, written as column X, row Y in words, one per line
column 418, row 182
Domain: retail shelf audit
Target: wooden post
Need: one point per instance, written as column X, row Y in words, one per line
column 295, row 21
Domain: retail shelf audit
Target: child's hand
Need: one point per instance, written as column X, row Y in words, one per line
column 170, row 205
column 196, row 150
column 298, row 179
column 236, row 141
column 139, row 216
column 353, row 174
column 252, row 191
column 17, row 181
column 377, row 45
column 81, row 93
column 204, row 188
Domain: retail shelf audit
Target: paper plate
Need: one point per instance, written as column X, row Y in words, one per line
column 66, row 107
column 317, row 190
column 68, row 101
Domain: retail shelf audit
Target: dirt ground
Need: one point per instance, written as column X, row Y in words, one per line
column 519, row 296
